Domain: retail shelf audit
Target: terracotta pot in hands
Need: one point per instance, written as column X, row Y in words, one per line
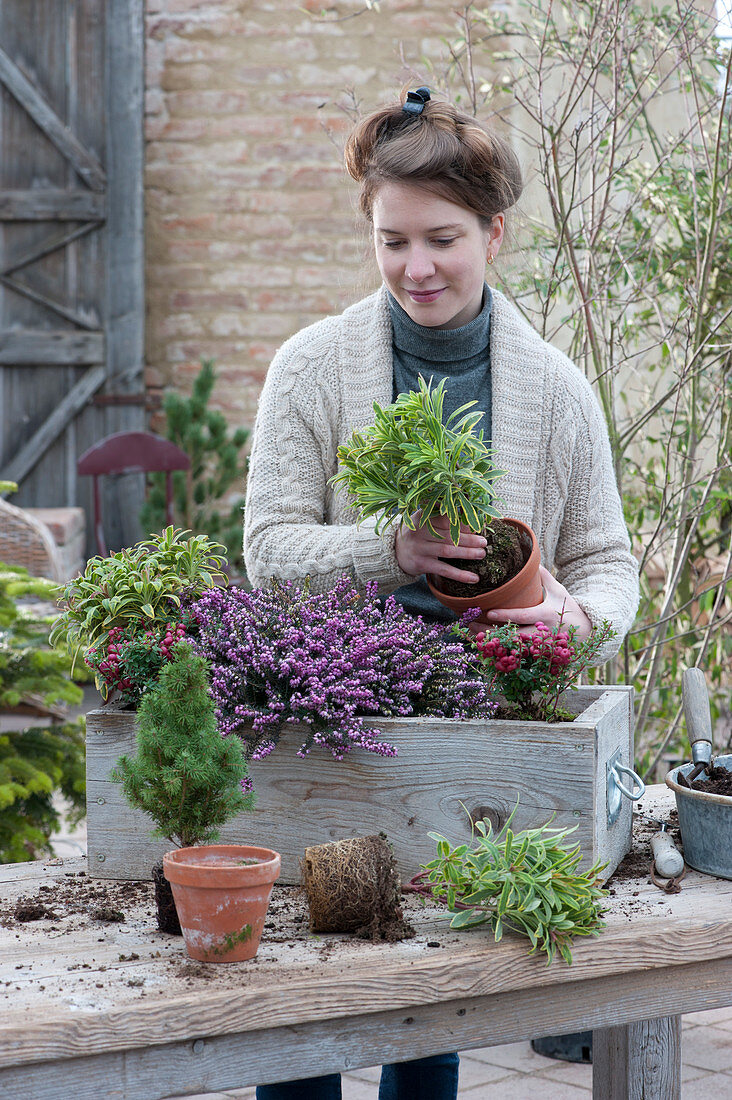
column 522, row 590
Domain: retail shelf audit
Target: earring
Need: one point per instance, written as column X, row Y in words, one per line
column 490, row 258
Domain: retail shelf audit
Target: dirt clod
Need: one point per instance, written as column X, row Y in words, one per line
column 167, row 913
column 108, row 914
column 27, row 909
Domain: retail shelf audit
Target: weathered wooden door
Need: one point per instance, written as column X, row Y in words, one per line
column 71, row 241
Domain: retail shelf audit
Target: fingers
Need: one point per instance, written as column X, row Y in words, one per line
column 441, row 524
column 420, row 552
column 522, row 616
column 447, row 550
column 440, row 569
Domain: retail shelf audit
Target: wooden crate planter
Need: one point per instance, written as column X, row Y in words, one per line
column 444, row 771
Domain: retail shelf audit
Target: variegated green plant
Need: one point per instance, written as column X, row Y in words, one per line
column 140, row 586
column 408, row 460
column 527, row 881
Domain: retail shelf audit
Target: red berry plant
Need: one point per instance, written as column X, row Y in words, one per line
column 127, row 663
column 531, row 671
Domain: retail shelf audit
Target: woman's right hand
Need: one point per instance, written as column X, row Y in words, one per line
column 420, row 551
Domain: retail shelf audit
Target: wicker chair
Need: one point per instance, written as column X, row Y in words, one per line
column 25, row 541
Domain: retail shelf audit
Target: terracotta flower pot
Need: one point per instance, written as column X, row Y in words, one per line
column 221, row 893
column 523, row 590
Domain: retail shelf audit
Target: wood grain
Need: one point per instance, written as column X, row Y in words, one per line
column 207, row 1062
column 38, row 348
column 28, row 95
column 74, row 69
column 446, row 773
column 657, row 952
column 52, row 204
column 638, row 1061
column 149, row 1034
column 35, row 447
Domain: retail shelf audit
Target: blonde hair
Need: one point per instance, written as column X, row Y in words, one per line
column 441, row 149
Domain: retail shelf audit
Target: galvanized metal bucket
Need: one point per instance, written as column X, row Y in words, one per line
column 706, row 823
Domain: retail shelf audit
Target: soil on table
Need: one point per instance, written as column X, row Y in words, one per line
column 718, row 781
column 504, row 557
column 78, row 895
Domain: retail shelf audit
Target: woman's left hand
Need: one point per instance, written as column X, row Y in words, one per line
column 557, row 605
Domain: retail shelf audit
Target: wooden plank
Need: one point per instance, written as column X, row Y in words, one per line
column 614, row 734
column 48, row 246
column 208, row 1059
column 444, row 771
column 52, row 204
column 61, row 310
column 657, row 953
column 124, row 107
column 29, row 97
column 41, row 347
column 638, row 1061
column 35, row 448
column 125, row 197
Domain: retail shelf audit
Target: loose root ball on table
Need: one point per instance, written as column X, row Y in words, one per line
column 354, row 886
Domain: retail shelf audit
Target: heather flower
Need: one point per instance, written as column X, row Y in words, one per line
column 282, row 656
column 531, row 672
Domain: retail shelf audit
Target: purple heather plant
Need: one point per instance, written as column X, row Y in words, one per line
column 283, row 655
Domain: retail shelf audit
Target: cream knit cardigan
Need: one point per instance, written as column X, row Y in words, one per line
column 548, row 433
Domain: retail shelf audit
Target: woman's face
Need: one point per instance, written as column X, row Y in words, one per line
column 432, row 254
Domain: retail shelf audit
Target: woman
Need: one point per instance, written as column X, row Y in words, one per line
column 435, row 187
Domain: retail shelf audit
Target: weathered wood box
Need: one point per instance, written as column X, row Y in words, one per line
column 445, row 773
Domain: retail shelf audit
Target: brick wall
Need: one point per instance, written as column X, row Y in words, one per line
column 251, row 225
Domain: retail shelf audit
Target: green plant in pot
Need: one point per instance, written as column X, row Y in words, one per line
column 411, row 466
column 124, row 612
column 190, row 780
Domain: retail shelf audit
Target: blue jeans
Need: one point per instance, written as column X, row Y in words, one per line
column 433, row 1078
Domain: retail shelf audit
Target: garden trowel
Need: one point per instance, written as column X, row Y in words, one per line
column 698, row 723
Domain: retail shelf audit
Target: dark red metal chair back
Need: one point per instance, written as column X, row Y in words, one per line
column 128, row 453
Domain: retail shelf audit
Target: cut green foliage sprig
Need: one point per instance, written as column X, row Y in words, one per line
column 527, row 881
column 139, row 587
column 409, row 461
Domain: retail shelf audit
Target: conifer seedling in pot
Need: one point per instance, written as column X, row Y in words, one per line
column 410, row 464
column 190, row 780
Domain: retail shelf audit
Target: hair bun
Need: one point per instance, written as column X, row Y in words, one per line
column 430, row 143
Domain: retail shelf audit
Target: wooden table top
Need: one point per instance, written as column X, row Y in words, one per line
column 75, row 982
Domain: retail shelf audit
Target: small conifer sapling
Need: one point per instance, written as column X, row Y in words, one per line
column 187, row 777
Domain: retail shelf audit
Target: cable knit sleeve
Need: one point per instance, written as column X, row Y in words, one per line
column 593, row 557
column 289, row 530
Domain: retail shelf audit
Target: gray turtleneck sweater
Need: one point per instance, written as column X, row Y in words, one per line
column 462, row 357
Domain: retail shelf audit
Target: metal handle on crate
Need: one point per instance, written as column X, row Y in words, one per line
column 635, row 778
column 616, row 788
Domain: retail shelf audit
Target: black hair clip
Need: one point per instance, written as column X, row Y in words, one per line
column 415, row 101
